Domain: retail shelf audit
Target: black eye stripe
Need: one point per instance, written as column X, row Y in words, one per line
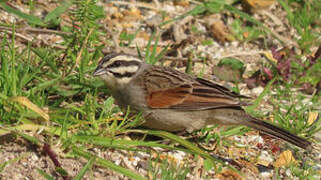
column 123, row 63
column 119, row 75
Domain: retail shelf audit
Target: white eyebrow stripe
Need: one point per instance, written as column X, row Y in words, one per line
column 125, row 58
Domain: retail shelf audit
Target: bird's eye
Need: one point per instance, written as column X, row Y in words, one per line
column 117, row 63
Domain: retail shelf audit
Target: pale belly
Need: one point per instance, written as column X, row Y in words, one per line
column 172, row 120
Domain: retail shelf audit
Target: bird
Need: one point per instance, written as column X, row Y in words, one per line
column 174, row 101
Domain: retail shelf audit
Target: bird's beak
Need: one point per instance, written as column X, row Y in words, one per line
column 99, row 72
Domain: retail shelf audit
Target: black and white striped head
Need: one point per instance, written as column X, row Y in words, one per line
column 118, row 69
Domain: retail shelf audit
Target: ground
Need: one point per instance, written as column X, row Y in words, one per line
column 80, row 112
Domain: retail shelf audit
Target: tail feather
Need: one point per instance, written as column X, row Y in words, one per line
column 278, row 132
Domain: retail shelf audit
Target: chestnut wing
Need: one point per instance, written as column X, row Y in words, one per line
column 168, row 88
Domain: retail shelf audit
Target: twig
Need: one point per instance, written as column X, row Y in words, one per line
column 53, row 156
column 79, row 54
column 25, row 38
column 275, row 19
column 240, row 54
column 55, row 46
column 179, row 59
column 36, row 30
column 49, row 31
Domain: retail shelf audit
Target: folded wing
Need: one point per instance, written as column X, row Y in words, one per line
column 187, row 93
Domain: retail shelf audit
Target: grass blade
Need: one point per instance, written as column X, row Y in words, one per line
column 121, row 143
column 3, row 165
column 58, row 11
column 258, row 100
column 45, row 175
column 189, row 146
column 31, row 19
column 82, row 172
column 26, row 102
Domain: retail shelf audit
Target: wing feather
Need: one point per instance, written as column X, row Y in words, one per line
column 168, row 88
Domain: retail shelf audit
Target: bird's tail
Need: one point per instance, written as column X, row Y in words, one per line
column 277, row 132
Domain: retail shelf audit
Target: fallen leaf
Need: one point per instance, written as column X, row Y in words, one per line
column 218, row 29
column 246, row 34
column 258, row 4
column 312, row 117
column 26, row 102
column 263, row 162
column 143, row 35
column 132, row 14
column 269, row 56
column 229, row 174
column 183, row 3
column 286, row 158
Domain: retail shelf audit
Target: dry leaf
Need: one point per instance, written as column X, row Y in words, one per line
column 286, row 158
column 143, row 35
column 228, row 174
column 220, row 32
column 246, row 34
column 183, row 3
column 132, row 14
column 263, row 162
column 269, row 56
column 312, row 117
column 26, row 102
column 258, row 4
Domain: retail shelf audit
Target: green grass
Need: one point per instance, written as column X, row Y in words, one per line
column 59, row 84
column 305, row 19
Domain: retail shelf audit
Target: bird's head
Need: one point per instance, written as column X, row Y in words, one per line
column 118, row 69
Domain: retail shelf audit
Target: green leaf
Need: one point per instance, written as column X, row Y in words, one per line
column 214, row 7
column 233, row 63
column 44, row 85
column 61, row 171
column 82, row 172
column 58, row 11
column 120, row 143
column 3, row 165
column 28, row 138
column 45, row 175
column 229, row 69
column 208, row 164
column 31, row 19
column 258, row 100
